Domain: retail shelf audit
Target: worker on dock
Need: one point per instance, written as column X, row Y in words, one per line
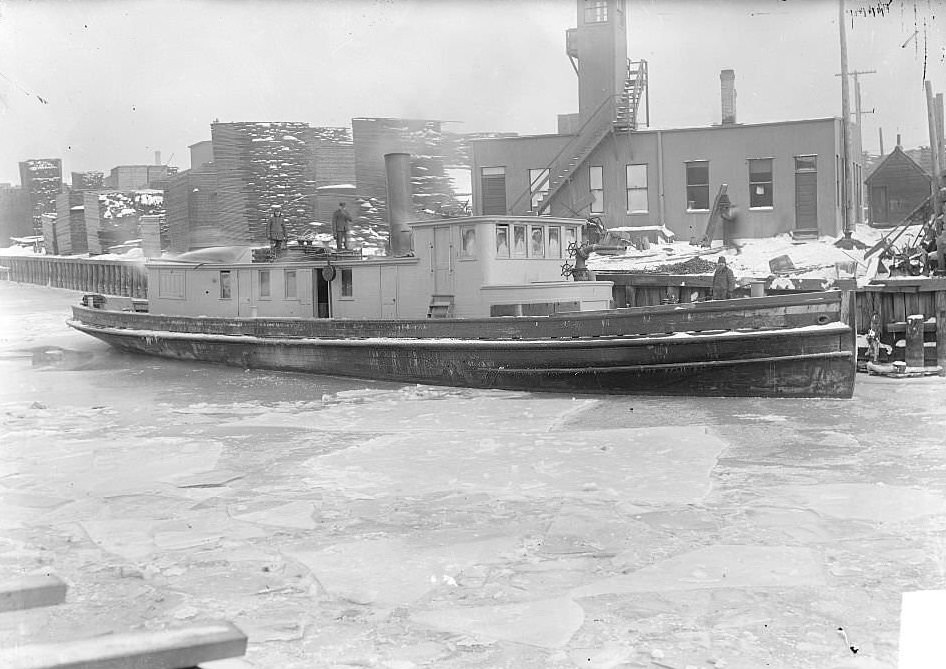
column 340, row 220
column 276, row 231
column 724, row 282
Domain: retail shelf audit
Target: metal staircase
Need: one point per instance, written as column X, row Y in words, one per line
column 619, row 113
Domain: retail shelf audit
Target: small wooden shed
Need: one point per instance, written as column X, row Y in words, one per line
column 896, row 188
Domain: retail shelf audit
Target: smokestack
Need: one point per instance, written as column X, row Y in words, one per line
column 899, row 145
column 727, row 86
column 157, row 157
column 397, row 167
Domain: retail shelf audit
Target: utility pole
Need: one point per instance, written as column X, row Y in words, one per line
column 846, row 131
column 858, row 115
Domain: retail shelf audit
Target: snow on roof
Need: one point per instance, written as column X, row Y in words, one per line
column 218, row 254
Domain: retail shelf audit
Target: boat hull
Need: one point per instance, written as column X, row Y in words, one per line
column 812, row 358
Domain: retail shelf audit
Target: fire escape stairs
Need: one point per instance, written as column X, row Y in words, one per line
column 619, row 114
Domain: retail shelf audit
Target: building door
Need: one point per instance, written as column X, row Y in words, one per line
column 879, row 205
column 321, row 292
column 493, row 188
column 388, row 291
column 443, row 261
column 806, row 192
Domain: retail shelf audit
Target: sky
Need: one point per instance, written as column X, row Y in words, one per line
column 101, row 83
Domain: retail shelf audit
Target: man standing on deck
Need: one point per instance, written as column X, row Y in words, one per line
column 340, row 220
column 723, row 280
column 276, row 231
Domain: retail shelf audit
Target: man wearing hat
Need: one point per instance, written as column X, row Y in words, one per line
column 340, row 220
column 276, row 231
column 724, row 282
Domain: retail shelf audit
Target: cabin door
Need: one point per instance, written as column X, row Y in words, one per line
column 879, row 205
column 320, row 294
column 388, row 291
column 243, row 291
column 443, row 261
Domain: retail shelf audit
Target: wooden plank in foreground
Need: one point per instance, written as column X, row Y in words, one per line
column 30, row 592
column 167, row 649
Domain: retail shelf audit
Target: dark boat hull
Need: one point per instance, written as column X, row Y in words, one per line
column 808, row 355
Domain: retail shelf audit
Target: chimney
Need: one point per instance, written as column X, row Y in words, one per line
column 157, row 157
column 397, row 167
column 899, row 145
column 727, row 86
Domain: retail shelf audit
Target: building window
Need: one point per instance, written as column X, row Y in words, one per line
column 760, row 183
column 596, row 179
column 537, row 242
column 347, row 290
column 636, row 189
column 806, row 163
column 171, row 284
column 291, row 287
column 493, row 187
column 225, row 293
column 502, row 241
column 518, row 241
column 555, row 242
column 264, row 290
column 538, row 188
column 698, row 185
column 467, row 242
column 596, row 11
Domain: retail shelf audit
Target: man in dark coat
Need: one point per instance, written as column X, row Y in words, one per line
column 724, row 282
column 340, row 220
column 276, row 231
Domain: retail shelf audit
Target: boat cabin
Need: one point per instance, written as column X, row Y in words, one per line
column 458, row 268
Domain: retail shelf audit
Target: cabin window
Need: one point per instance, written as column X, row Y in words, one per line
column 493, row 188
column 518, row 241
column 467, row 242
column 555, row 242
column 292, row 289
column 596, row 11
column 264, row 289
column 760, row 183
column 697, row 173
column 225, row 292
column 571, row 237
column 502, row 241
column 636, row 189
column 171, row 284
column 346, row 283
column 596, row 179
column 537, row 242
column 538, row 187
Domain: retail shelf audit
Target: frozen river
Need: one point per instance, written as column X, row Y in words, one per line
column 344, row 523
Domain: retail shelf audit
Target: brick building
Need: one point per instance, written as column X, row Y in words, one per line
column 42, row 180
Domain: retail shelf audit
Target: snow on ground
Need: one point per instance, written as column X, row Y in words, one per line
column 344, row 523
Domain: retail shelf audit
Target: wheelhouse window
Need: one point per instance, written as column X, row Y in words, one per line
column 555, row 242
column 537, row 242
column 467, row 242
column 571, row 237
column 518, row 241
column 596, row 11
column 636, row 189
column 347, row 289
column 596, row 179
column 264, row 283
column 292, row 289
column 225, row 292
column 760, row 183
column 493, row 189
column 502, row 241
column 697, row 173
column 538, row 188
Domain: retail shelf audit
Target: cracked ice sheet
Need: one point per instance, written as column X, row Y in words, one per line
column 718, row 567
column 394, row 414
column 391, row 572
column 658, row 465
column 548, row 623
column 859, row 501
